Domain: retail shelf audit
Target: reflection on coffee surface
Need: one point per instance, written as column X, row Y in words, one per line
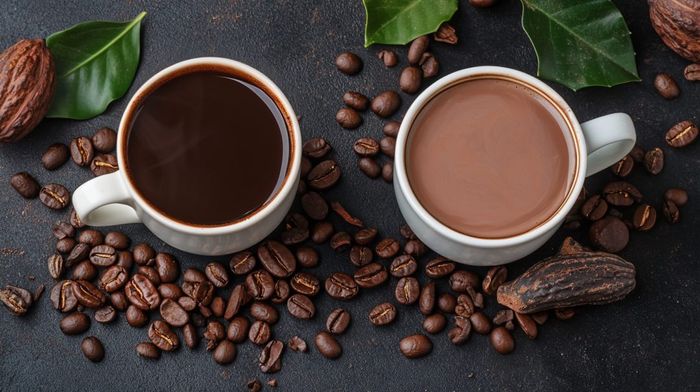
column 490, row 158
column 206, row 148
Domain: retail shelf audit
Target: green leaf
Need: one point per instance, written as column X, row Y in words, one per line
column 400, row 21
column 580, row 43
column 95, row 64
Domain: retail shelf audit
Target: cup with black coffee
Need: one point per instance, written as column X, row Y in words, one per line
column 490, row 160
column 209, row 157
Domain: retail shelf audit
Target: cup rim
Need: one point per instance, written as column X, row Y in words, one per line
column 401, row 176
column 289, row 183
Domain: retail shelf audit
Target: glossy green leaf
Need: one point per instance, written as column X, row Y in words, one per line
column 400, row 21
column 580, row 43
column 95, row 64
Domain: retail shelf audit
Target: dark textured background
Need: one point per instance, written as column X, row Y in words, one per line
column 647, row 342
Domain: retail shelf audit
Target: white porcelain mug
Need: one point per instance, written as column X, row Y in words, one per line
column 113, row 200
column 599, row 143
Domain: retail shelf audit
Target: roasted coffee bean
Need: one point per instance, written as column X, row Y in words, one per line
column 114, row 278
column 277, row 259
column 189, row 335
column 259, row 333
column 365, row 236
column 621, row 194
column 360, row 255
column 480, row 323
column 238, row 329
column 324, row 175
column 264, row 312
column 527, row 324
column 355, row 100
column 242, row 262
column 225, row 352
column 415, row 248
column 75, row 219
column 282, row 292
column 103, row 164
column 65, row 245
column 366, row 147
column 214, row 333
column 173, row 313
column 119, row 301
column 81, row 151
column 388, row 172
column 327, row 345
column 338, row 321
column 654, row 160
column 87, row 294
column 305, row 167
column 316, row 147
column 125, row 259
column 136, row 317
column 594, row 208
column 403, row 265
column 391, row 128
column 369, row 167
column 260, row 285
column 501, row 340
column 142, row 293
column 54, row 196
column 270, row 359
column 666, row 86
column 340, row 241
column 55, row 156
column 434, row 323
column 216, row 273
column 16, row 299
column 415, row 346
column 117, row 240
column 305, row 283
column 297, row 344
column 460, row 280
column 25, row 185
column 439, row 267
column 429, row 65
column 147, row 350
column 637, row 153
column 388, row 57
column 103, row 255
column 91, row 237
column 671, row 212
column 201, row 292
column 321, row 232
column 105, row 314
column 254, row 385
column 314, row 205
column 218, row 307
column 186, row 302
column 692, row 72
column 682, row 134
column 166, row 266
column 62, row 297
column 150, row 273
column 162, row 336
column 307, row 257
column 388, row 145
column 609, row 234
column 677, row 195
column 410, row 79
column 296, row 221
column 84, row 270
column 79, row 253
column 426, row 301
column 503, row 316
column 460, row 333
column 387, row 248
column 144, row 254
column 371, row 275
column 294, row 236
column 623, row 167
column 385, row 103
column 104, row 140
column 75, row 323
column 465, row 306
column 644, row 217
column 407, row 290
column 417, row 48
column 301, row 307
column 447, row 303
column 348, row 63
column 193, row 275
column 341, row 286
column 56, row 266
column 348, row 118
column 93, row 349
column 493, row 279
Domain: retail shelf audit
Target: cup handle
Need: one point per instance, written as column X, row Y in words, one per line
column 609, row 138
column 104, row 201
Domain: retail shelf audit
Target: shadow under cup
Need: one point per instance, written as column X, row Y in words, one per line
column 492, row 157
column 207, row 145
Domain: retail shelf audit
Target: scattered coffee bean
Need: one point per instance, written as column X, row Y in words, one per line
column 25, row 185
column 84, row 270
column 434, row 323
column 388, row 171
column 62, row 230
column 93, row 349
column 338, row 321
column 447, row 303
column 403, row 265
column 410, row 79
column 391, row 128
column 365, row 236
column 692, row 72
column 144, row 254
column 81, row 150
column 125, row 259
column 217, row 306
column 193, row 275
column 341, row 286
column 501, row 340
column 56, row 266
column 429, row 65
column 480, row 323
column 54, row 196
column 264, row 312
column 259, row 333
column 654, row 160
column 417, row 48
column 460, row 333
column 297, row 344
column 439, row 267
column 136, row 317
column 682, row 134
column 527, row 324
column 142, row 292
column 356, row 100
column 340, row 241
column 105, row 314
column 254, row 385
column 327, row 345
column 301, row 307
column 242, row 262
column 316, row 147
column 55, row 156
column 321, row 232
column 503, row 316
column 260, row 286
column 186, row 302
column 348, row 63
column 366, row 147
column 594, row 208
column 644, row 217
column 369, row 167
column 348, row 118
column 382, row 314
column 104, row 164
column 415, row 346
column 460, row 280
column 62, row 297
column 117, row 240
column 75, row 323
column 78, row 253
column 88, row 295
column 237, row 330
column 162, row 336
column 386, row 103
column 150, row 273
column 171, row 291
column 217, row 275
column 324, row 175
column 91, row 237
column 609, row 234
column 360, row 255
column 388, row 57
column 621, row 194
column 388, row 145
column 270, row 359
column 147, row 350
column 16, row 299
column 671, row 212
column 407, row 290
column 677, row 195
column 173, row 313
column 166, row 266
column 387, row 248
column 623, row 167
column 305, row 283
column 426, row 301
column 371, row 275
column 225, row 352
column 446, row 33
column 104, row 140
column 103, row 255
column 307, row 257
column 465, row 306
column 493, row 279
column 666, row 86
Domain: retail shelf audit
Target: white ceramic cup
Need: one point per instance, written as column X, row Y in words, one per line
column 598, row 144
column 112, row 199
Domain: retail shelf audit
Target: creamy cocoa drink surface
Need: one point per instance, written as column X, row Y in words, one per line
column 489, row 158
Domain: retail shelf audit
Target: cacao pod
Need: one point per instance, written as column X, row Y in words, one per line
column 677, row 22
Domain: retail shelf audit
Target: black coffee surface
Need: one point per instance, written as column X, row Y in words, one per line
column 206, row 148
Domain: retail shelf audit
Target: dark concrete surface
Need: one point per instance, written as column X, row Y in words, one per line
column 647, row 342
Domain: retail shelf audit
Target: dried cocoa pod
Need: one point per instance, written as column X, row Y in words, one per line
column 26, row 87
column 677, row 22
column 574, row 277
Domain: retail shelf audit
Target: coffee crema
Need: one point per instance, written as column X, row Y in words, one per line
column 207, row 148
column 490, row 158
